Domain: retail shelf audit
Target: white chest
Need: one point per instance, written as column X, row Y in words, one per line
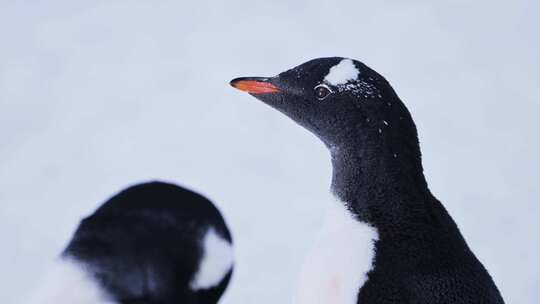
column 338, row 265
column 68, row 282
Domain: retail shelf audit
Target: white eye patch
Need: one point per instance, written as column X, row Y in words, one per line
column 344, row 77
column 216, row 262
column 342, row 72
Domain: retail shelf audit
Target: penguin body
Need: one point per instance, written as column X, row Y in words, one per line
column 339, row 261
column 153, row 243
column 403, row 247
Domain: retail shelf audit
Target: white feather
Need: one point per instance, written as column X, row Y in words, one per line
column 342, row 72
column 216, row 262
column 340, row 260
column 68, row 282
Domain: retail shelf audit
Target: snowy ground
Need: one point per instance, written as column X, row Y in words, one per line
column 94, row 97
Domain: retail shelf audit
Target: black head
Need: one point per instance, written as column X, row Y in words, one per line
column 335, row 98
column 146, row 245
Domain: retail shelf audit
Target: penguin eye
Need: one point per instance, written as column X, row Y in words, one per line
column 322, row 91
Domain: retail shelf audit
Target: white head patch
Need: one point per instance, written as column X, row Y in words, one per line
column 342, row 72
column 216, row 261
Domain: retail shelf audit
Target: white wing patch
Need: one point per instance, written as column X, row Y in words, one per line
column 216, row 262
column 68, row 282
column 342, row 72
column 340, row 260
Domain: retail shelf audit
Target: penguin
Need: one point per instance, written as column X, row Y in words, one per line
column 386, row 239
column 152, row 243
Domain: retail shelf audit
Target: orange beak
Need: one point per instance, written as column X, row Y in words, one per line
column 254, row 85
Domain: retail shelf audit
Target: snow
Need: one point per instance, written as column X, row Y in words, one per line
column 342, row 73
column 216, row 262
column 95, row 96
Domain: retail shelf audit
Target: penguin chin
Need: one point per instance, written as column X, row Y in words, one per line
column 275, row 100
column 287, row 105
column 267, row 97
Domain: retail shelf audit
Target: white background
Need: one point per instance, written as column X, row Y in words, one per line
column 98, row 95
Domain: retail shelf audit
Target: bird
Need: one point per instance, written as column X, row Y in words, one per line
column 152, row 243
column 386, row 238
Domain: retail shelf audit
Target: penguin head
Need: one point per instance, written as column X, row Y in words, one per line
column 335, row 98
column 154, row 243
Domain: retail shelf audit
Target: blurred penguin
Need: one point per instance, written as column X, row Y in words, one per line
column 153, row 243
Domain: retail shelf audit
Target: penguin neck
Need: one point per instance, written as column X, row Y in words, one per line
column 379, row 179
